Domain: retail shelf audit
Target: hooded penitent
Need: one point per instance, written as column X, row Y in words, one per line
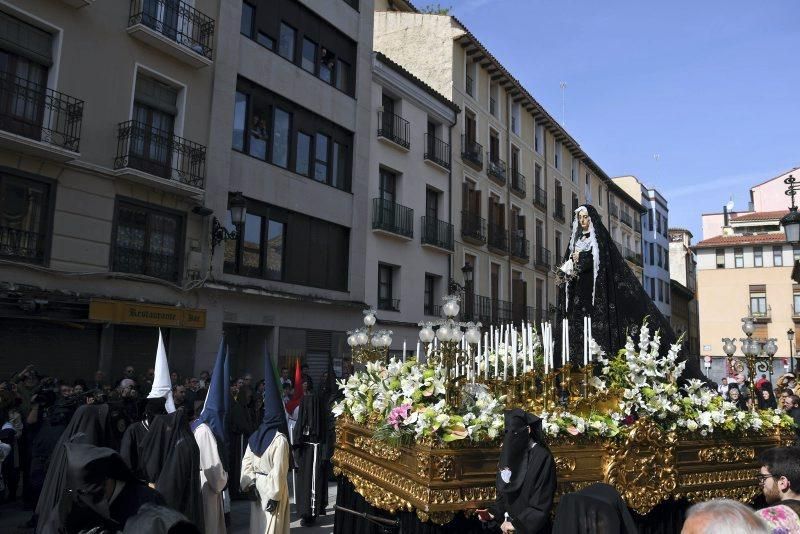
column 216, row 403
column 274, row 419
column 132, row 439
column 607, row 289
column 155, row 519
column 597, row 509
column 162, row 385
column 519, row 431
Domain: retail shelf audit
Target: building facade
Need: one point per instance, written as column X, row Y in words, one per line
column 683, row 289
column 517, row 174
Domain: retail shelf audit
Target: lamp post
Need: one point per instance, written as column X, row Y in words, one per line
column 238, row 207
column 790, row 338
column 791, row 221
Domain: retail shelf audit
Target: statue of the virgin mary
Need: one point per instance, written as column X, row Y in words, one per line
column 598, row 283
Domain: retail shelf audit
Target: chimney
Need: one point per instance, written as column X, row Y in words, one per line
column 725, row 216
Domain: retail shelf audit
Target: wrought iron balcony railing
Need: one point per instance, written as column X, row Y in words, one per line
column 22, row 245
column 392, row 217
column 763, row 315
column 38, row 113
column 496, row 168
column 389, row 304
column 485, row 309
column 160, row 153
column 626, row 219
column 471, row 152
column 433, row 310
column 437, row 151
column 177, row 21
column 517, row 183
column 498, row 238
column 542, row 257
column 473, row 227
column 394, row 128
column 558, row 210
column 613, row 210
column 143, row 261
column 520, row 247
column 437, row 233
column 539, row 197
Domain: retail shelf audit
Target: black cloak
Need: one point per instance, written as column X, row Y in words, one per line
column 615, row 298
column 159, row 520
column 84, row 503
column 131, row 443
column 308, row 440
column 526, row 475
column 89, row 425
column 597, row 509
column 170, row 459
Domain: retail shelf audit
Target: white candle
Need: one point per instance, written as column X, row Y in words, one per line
column 514, row 351
column 524, row 334
column 417, row 351
column 404, row 351
column 496, row 358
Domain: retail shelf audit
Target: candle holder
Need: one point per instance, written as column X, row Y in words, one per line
column 588, row 373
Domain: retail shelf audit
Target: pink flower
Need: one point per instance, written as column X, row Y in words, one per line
column 398, row 415
column 572, row 430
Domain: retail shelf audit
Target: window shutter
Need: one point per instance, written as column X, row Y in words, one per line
column 156, row 95
column 26, row 40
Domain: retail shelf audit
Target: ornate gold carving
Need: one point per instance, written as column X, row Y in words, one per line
column 564, row 463
column 726, row 454
column 743, row 494
column 643, row 467
column 717, row 477
column 445, row 467
column 376, row 448
column 442, row 518
column 378, row 496
column 482, row 493
column 423, row 464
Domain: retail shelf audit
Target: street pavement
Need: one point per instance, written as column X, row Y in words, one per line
column 12, row 515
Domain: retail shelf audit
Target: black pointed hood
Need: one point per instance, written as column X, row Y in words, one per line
column 521, row 429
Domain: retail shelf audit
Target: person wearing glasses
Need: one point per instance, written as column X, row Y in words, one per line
column 780, row 481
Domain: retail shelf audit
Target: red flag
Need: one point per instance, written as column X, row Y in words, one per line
column 294, row 402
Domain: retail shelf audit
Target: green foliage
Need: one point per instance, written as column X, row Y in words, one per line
column 436, row 9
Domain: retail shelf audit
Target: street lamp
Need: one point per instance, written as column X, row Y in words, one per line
column 791, row 221
column 790, row 338
column 238, row 207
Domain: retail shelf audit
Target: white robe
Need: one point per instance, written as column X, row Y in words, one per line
column 213, row 479
column 268, row 472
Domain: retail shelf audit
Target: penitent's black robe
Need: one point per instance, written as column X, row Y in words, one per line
column 131, row 445
column 597, row 509
column 310, row 458
column 529, row 506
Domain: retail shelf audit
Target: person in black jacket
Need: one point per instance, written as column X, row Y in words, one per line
column 526, row 478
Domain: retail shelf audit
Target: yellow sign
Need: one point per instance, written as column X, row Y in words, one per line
column 133, row 313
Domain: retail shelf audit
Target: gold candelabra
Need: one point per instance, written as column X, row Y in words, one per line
column 368, row 344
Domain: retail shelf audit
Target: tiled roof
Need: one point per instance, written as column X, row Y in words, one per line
column 734, row 240
column 760, row 216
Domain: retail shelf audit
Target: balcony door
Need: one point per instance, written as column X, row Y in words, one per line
column 519, row 291
column 387, row 195
column 162, row 16
column 494, row 288
column 470, row 129
column 432, row 216
column 151, row 135
column 387, row 117
column 22, row 95
column 494, row 148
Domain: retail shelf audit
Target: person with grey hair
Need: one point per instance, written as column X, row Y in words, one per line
column 723, row 516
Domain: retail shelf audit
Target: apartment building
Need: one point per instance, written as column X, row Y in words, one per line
column 683, row 289
column 517, row 174
column 411, row 242
column 103, row 161
column 651, row 258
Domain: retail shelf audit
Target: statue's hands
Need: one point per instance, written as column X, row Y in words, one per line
column 575, row 256
column 271, row 506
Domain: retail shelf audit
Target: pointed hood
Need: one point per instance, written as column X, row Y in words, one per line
column 162, row 385
column 213, row 413
column 274, row 414
column 294, row 402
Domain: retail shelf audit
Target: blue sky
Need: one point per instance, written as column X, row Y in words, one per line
column 711, row 86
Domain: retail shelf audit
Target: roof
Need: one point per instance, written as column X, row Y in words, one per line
column 679, row 229
column 519, row 93
column 416, row 81
column 733, row 240
column 775, row 177
column 760, row 216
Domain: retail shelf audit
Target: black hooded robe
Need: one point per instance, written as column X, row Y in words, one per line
column 130, row 446
column 310, row 459
column 597, row 509
column 619, row 306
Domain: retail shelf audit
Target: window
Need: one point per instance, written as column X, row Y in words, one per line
column 385, row 295
column 154, row 111
column 600, row 195
column 430, row 295
column 147, row 240
column 653, row 289
column 538, row 139
column 515, row 120
column 557, row 154
column 559, row 251
column 720, row 257
column 574, row 202
column 265, row 40
column 302, row 161
column 795, row 252
column 469, row 82
column 650, row 219
column 666, row 260
column 493, row 100
column 758, row 259
column 327, row 62
column 666, row 292
column 665, row 233
column 290, row 136
column 321, row 158
column 309, row 55
column 758, row 300
column 284, row 246
column 796, row 303
column 738, row 257
column 537, row 176
column 661, row 291
column 343, row 76
column 575, row 171
column 658, row 222
column 652, row 253
column 777, row 256
column 25, row 207
column 286, row 39
column 248, row 17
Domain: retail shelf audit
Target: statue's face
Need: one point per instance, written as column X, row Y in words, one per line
column 583, row 220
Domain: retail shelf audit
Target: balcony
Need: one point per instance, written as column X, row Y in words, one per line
column 485, row 309
column 542, row 258
column 633, row 257
column 613, row 210
column 762, row 316
column 77, row 4
column 21, row 245
column 175, row 28
column 138, row 261
column 558, row 211
column 626, row 219
column 437, row 233
column 158, row 158
column 39, row 121
column 392, row 218
column 471, row 153
column 432, row 310
column 520, row 248
column 437, row 151
column 496, row 168
column 540, row 198
column 473, row 228
column 517, row 183
column 498, row 239
column 394, row 128
column 389, row 304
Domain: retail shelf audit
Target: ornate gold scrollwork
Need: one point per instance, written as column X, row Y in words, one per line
column 642, row 468
column 376, row 448
column 726, row 454
column 423, row 464
column 564, row 464
column 717, row 477
column 445, row 467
